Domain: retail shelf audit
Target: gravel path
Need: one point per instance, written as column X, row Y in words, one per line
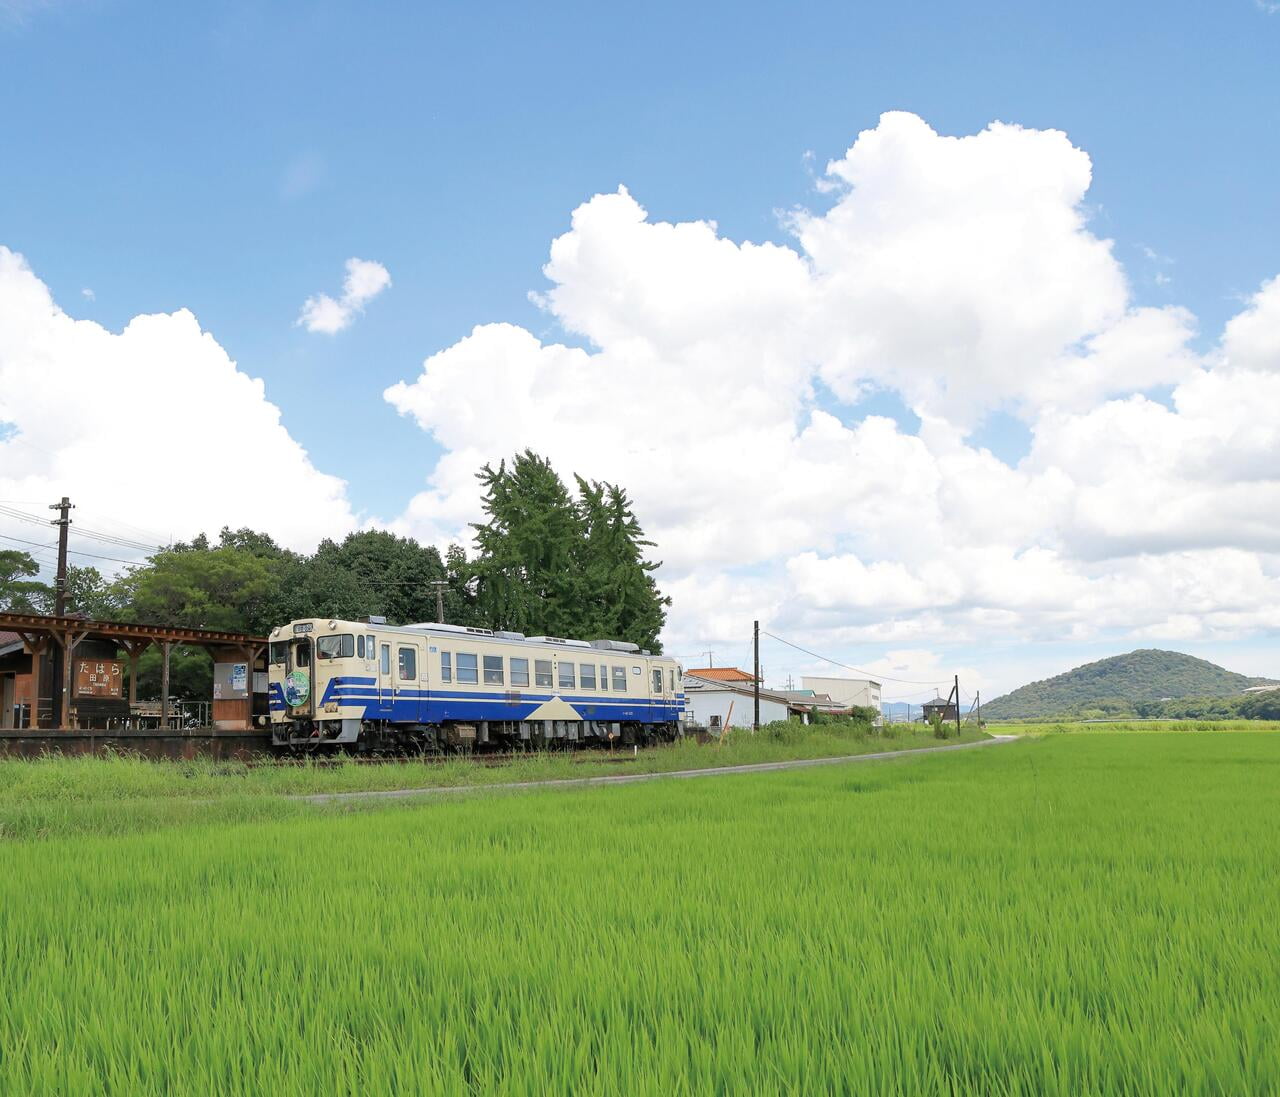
column 633, row 778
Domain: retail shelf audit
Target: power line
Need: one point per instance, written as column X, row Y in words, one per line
column 81, row 531
column 74, row 552
column 856, row 670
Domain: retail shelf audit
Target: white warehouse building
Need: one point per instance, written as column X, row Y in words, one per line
column 727, row 700
column 847, row 692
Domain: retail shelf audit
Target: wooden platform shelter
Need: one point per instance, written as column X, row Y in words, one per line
column 79, row 686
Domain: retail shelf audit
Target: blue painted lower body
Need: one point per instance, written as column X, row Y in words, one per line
column 359, row 698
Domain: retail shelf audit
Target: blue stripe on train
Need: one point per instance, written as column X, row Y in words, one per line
column 435, row 706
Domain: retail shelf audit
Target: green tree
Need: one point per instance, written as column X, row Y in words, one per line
column 550, row 563
column 622, row 600
column 528, row 574
column 19, row 593
column 374, row 571
column 206, row 587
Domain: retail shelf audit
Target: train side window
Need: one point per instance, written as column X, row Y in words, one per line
column 408, row 664
column 446, row 666
column 467, row 668
column 385, row 661
column 370, row 649
column 567, row 678
column 519, row 672
column 671, row 679
column 657, row 680
column 542, row 672
column 604, row 676
column 359, row 647
column 587, row 675
column 493, row 670
column 620, row 679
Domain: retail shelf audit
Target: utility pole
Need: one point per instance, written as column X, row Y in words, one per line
column 439, row 584
column 63, row 522
column 755, row 685
column 711, row 658
column 57, row 656
column 977, row 700
column 957, row 704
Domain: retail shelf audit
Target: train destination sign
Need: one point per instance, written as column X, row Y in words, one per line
column 99, row 678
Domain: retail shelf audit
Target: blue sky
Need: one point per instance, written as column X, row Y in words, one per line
column 228, row 159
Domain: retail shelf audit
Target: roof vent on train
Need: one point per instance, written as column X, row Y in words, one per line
column 504, row 635
column 615, row 645
column 436, row 626
column 370, row 619
column 559, row 640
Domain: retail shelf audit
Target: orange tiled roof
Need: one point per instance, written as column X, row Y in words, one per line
column 721, row 674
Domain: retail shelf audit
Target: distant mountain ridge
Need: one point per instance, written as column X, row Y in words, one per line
column 1118, row 684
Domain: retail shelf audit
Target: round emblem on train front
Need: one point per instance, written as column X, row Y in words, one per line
column 297, row 688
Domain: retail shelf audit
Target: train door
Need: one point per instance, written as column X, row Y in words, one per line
column 386, row 681
column 658, row 694
column 408, row 694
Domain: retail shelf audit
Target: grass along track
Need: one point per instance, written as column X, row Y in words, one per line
column 683, row 774
column 59, row 795
column 1065, row 915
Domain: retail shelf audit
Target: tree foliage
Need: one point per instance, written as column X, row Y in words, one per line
column 554, row 565
column 19, row 592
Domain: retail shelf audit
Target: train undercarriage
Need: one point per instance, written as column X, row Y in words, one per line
column 299, row 736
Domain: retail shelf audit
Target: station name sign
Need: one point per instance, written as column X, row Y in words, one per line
column 99, row 678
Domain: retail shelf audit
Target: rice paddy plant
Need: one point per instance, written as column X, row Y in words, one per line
column 62, row 794
column 1066, row 915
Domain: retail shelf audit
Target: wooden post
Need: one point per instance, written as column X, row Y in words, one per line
column 166, row 646
column 68, row 640
column 133, row 649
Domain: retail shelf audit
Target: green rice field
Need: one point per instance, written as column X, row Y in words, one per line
column 1070, row 914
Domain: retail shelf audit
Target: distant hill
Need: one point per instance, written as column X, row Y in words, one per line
column 1117, row 686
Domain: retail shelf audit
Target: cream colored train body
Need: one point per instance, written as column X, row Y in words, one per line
column 370, row 685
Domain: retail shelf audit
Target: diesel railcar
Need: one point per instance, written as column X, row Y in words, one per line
column 367, row 685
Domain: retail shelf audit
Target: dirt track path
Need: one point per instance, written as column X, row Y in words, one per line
column 633, row 778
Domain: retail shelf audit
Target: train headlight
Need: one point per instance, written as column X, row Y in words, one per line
column 333, row 625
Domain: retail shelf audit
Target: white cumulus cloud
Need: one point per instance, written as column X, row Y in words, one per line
column 720, row 384
column 153, row 425
column 365, row 279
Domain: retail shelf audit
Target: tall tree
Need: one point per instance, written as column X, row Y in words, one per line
column 623, row 601
column 527, row 575
column 550, row 563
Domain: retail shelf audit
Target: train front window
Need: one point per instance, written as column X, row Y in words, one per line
column 335, row 647
column 302, row 654
column 280, row 654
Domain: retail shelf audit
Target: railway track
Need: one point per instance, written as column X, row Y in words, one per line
column 496, row 759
